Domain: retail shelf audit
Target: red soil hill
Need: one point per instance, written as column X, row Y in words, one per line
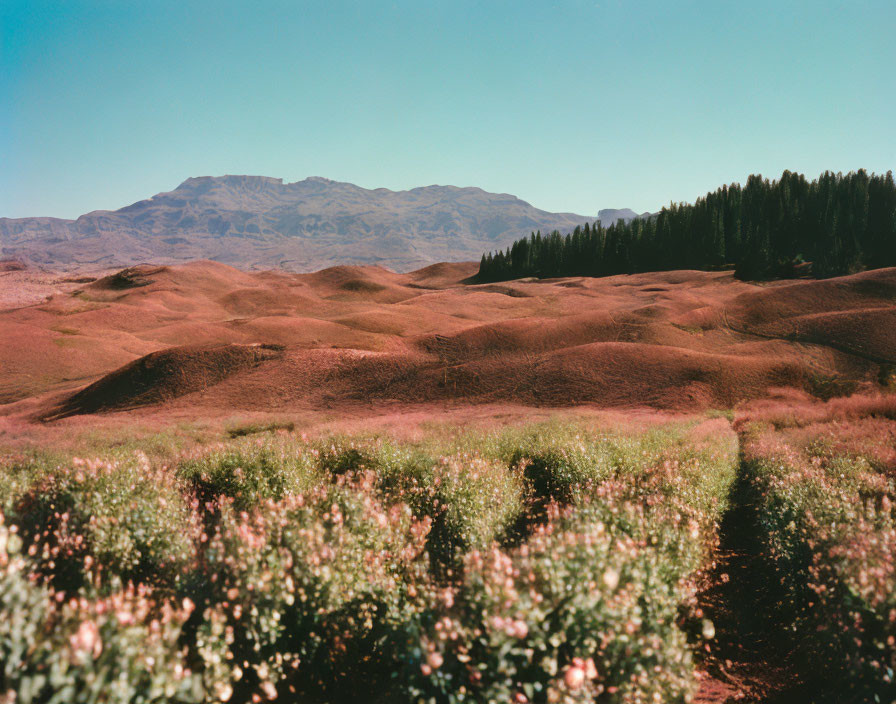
column 679, row 340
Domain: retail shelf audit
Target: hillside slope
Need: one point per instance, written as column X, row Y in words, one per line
column 353, row 336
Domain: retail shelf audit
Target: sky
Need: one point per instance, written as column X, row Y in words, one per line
column 571, row 105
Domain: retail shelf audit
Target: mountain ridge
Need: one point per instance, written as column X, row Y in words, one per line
column 258, row 222
column 608, row 216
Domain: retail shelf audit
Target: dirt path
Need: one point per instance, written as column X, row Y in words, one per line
column 746, row 661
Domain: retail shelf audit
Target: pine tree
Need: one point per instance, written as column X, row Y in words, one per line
column 839, row 223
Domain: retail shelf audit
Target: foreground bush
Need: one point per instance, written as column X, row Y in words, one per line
column 690, row 464
column 122, row 648
column 19, row 474
column 443, row 571
column 580, row 610
column 588, row 605
column 826, row 515
column 312, row 595
column 106, row 523
column 467, row 500
column 250, row 471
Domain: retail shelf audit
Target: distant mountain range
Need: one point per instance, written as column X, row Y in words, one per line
column 610, row 215
column 258, row 222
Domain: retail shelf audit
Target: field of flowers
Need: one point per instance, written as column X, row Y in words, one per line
column 538, row 564
column 825, row 496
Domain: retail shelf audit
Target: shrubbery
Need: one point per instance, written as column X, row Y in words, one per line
column 105, row 523
column 120, row 648
column 249, row 471
column 311, row 594
column 580, row 609
column 827, row 517
column 447, row 570
column 467, row 499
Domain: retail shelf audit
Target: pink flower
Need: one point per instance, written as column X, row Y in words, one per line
column 87, row 640
column 590, row 669
column 270, row 691
column 574, row 677
column 448, row 598
column 611, row 579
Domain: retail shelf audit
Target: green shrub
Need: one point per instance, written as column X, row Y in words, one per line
column 588, row 606
column 239, row 431
column 20, row 473
column 828, row 524
column 577, row 612
column 338, row 455
column 321, row 570
column 106, row 523
column 695, row 465
column 557, row 472
column 120, row 649
column 312, row 595
column 469, row 502
column 249, row 471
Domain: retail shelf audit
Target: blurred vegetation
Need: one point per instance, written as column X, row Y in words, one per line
column 540, row 563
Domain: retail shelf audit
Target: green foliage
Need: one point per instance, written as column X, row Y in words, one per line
column 19, row 474
column 468, row 501
column 576, row 612
column 249, row 471
column 343, row 455
column 105, row 523
column 826, row 387
column 841, row 224
column 586, row 606
column 322, row 569
column 827, row 519
column 312, row 596
column 120, row 649
column 240, row 431
column 559, row 471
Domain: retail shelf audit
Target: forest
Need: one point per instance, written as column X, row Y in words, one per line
column 836, row 224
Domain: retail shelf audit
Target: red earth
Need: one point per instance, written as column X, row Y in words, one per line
column 365, row 340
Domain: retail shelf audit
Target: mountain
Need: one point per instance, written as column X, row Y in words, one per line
column 609, row 216
column 258, row 222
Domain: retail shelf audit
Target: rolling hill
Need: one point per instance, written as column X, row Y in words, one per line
column 205, row 338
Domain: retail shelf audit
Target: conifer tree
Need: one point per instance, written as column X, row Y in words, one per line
column 838, row 223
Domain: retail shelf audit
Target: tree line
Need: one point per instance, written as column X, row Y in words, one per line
column 838, row 223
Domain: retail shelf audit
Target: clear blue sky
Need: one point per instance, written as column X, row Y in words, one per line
column 571, row 105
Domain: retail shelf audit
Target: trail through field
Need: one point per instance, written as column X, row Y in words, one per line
column 746, row 661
